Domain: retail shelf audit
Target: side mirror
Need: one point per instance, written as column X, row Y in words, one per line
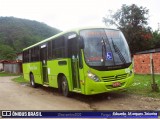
column 81, row 42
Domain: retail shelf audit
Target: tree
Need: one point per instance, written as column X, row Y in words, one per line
column 156, row 39
column 6, row 52
column 132, row 21
column 16, row 34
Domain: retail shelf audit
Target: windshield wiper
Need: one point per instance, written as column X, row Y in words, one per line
column 116, row 49
column 105, row 50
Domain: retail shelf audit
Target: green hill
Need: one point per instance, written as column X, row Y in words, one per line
column 16, row 34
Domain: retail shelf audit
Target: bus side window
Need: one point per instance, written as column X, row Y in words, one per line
column 50, row 50
column 24, row 56
column 73, row 47
column 37, row 53
column 32, row 54
column 58, row 47
column 53, row 47
column 29, row 55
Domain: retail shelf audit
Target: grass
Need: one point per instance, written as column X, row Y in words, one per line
column 142, row 86
column 7, row 74
column 20, row 79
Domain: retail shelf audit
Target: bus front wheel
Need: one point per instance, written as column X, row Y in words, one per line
column 32, row 82
column 64, row 86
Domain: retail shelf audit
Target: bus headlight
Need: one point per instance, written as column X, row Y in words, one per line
column 93, row 76
column 130, row 73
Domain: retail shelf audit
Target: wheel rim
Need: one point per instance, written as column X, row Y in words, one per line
column 32, row 81
column 64, row 87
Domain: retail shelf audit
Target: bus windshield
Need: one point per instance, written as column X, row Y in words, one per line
column 105, row 47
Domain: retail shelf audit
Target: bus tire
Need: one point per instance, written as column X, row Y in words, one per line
column 32, row 82
column 64, row 87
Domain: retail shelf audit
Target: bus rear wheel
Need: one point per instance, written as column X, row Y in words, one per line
column 64, row 87
column 32, row 82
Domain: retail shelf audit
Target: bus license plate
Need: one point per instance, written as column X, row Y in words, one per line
column 116, row 84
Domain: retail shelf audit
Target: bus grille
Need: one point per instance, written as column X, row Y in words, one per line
column 114, row 78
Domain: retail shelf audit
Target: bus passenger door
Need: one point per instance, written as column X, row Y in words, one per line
column 73, row 52
column 43, row 58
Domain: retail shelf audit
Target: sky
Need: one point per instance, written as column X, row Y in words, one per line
column 68, row 14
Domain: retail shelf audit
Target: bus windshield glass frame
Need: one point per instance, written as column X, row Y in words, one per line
column 105, row 48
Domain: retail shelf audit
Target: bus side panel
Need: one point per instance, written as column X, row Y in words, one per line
column 51, row 75
column 26, row 71
column 36, row 69
column 56, row 67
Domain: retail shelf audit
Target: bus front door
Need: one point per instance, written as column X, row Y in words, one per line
column 43, row 57
column 73, row 52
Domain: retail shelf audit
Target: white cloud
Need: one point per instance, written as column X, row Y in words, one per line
column 66, row 14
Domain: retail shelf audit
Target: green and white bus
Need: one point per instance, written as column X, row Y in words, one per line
column 87, row 61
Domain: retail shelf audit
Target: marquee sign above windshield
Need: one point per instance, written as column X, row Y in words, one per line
column 109, row 33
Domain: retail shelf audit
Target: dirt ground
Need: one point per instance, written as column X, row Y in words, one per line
column 15, row 96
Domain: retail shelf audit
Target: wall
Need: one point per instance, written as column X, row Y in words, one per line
column 142, row 63
column 12, row 68
column 1, row 66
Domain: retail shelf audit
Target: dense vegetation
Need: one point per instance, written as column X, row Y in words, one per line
column 132, row 20
column 16, row 34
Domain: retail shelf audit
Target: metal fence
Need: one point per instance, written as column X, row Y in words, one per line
column 13, row 68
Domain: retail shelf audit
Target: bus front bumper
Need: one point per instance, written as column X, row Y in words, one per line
column 93, row 87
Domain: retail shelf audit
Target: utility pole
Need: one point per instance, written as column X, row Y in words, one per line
column 158, row 26
column 154, row 84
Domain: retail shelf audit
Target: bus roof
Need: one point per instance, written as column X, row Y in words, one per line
column 62, row 33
